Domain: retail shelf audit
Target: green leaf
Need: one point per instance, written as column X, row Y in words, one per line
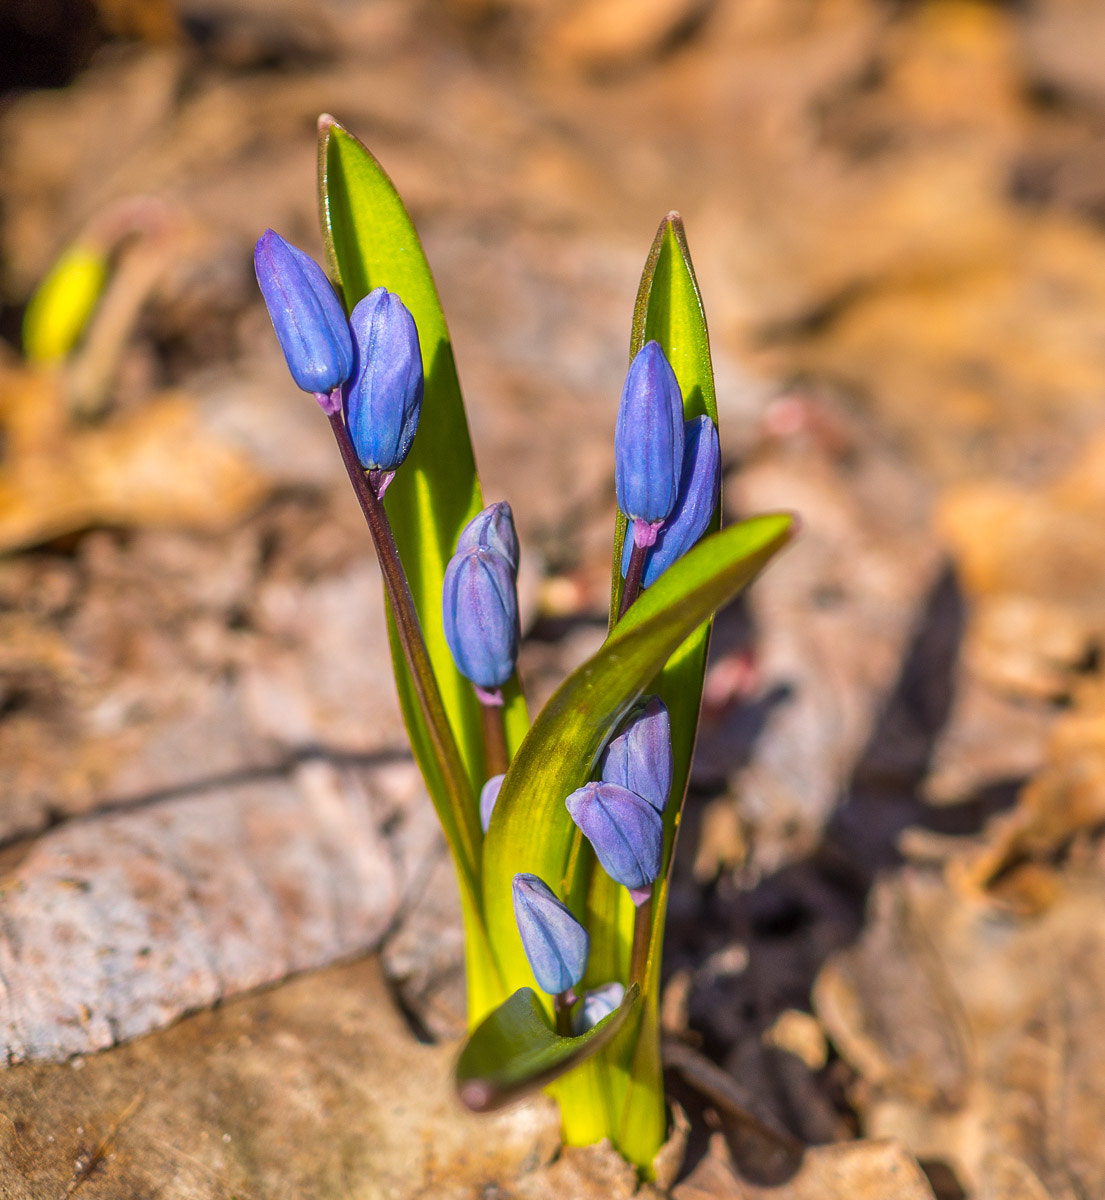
column 371, row 242
column 669, row 310
column 514, row 1051
column 531, row 829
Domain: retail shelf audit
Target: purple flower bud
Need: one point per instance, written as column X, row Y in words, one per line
column 492, row 529
column 383, row 398
column 480, row 612
column 307, row 315
column 639, row 759
column 489, row 793
column 555, row 943
column 648, row 442
column 597, row 1005
column 699, row 485
column 625, row 831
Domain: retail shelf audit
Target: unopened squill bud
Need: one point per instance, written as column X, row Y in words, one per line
column 492, row 529
column 596, row 1005
column 648, row 443
column 489, row 793
column 308, row 318
column 480, row 614
column 383, row 398
column 699, row 484
column 640, row 758
column 626, row 833
column 556, row 944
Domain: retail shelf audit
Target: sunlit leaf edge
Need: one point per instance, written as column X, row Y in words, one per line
column 491, row 1074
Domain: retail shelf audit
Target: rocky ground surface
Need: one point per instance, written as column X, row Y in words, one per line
column 884, row 946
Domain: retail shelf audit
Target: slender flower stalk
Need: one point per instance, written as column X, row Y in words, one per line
column 413, row 643
column 642, row 936
column 495, row 753
column 631, row 589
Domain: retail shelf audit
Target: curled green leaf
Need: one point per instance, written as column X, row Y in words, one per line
column 514, row 1051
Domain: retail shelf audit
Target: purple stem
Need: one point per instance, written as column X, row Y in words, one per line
column 409, row 631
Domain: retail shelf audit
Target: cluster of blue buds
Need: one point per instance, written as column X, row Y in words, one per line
column 699, row 485
column 621, row 814
column 479, row 606
column 370, row 364
column 667, row 471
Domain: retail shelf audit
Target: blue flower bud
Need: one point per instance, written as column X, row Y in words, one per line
column 492, row 529
column 307, row 315
column 480, row 612
column 625, row 831
column 489, row 793
column 383, row 398
column 699, row 484
column 648, row 442
column 555, row 943
column 639, row 759
column 597, row 1005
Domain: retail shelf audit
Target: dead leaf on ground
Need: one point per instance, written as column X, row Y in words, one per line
column 156, row 466
column 876, row 1170
column 1022, row 995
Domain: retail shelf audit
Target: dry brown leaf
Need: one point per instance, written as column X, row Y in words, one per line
column 1025, row 994
column 1033, row 562
column 878, row 1170
column 1065, row 798
column 158, row 466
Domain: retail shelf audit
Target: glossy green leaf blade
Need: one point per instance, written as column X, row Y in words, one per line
column 371, row 242
column 514, row 1051
column 531, row 829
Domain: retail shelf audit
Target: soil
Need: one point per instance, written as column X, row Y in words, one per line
column 881, row 970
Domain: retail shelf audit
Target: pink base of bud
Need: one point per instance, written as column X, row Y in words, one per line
column 379, row 481
column 329, row 402
column 491, row 697
column 644, row 533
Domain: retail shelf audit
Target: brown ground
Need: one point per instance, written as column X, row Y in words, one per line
column 891, row 889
